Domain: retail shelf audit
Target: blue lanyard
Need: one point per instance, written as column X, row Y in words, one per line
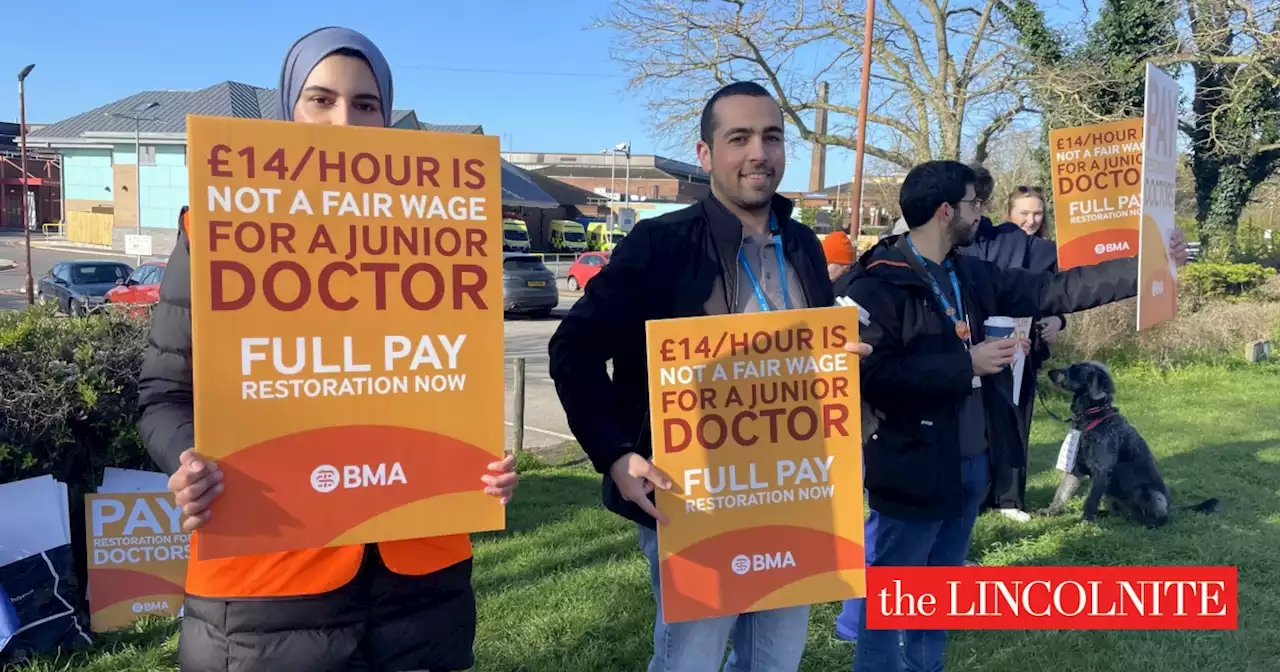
column 782, row 270
column 954, row 313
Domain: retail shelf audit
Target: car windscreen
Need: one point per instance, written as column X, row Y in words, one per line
column 515, row 234
column 575, row 236
column 90, row 274
column 523, row 264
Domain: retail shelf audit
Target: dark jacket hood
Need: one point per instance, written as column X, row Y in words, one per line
column 887, row 260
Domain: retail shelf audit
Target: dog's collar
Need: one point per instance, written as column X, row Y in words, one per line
column 1093, row 417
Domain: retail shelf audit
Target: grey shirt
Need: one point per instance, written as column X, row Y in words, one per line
column 762, row 256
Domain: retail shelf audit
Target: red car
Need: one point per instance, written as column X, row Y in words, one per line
column 585, row 268
column 141, row 290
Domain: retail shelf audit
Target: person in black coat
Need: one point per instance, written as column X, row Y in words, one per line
column 736, row 251
column 1009, row 245
column 938, row 387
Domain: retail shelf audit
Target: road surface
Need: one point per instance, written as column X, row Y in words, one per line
column 545, row 423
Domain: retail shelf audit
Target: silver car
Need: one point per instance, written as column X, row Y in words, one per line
column 528, row 286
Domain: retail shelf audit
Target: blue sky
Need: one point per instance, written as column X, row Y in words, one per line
column 539, row 79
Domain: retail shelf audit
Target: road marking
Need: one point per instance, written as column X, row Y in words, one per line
column 548, row 432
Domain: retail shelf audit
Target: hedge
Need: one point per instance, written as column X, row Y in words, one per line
column 69, row 395
column 68, row 402
column 1204, row 281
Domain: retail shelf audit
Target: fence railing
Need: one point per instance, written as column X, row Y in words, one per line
column 558, row 263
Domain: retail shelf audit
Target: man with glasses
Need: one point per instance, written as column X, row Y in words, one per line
column 932, row 376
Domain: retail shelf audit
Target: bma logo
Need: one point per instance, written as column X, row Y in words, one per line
column 327, row 478
column 1157, row 287
column 149, row 607
column 1108, row 248
column 762, row 562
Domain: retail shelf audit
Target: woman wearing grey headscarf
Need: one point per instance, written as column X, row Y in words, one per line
column 404, row 605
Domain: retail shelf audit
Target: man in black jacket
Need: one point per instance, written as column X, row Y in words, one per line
column 736, row 251
column 936, row 382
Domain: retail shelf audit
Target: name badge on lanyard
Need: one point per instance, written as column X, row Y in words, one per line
column 782, row 270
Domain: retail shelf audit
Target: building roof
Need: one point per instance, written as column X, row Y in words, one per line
column 563, row 192
column 225, row 99
column 520, row 190
column 567, row 164
column 468, row 129
column 596, row 172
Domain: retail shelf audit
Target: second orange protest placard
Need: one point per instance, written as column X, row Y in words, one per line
column 347, row 332
column 1097, row 188
column 137, row 558
column 756, row 418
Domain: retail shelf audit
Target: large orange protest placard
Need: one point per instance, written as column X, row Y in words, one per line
column 347, row 332
column 1157, row 273
column 757, row 420
column 137, row 558
column 1097, row 187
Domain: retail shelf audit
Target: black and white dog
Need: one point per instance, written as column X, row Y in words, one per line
column 1111, row 453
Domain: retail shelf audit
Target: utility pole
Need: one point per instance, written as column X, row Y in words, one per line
column 855, row 199
column 26, row 183
column 137, row 146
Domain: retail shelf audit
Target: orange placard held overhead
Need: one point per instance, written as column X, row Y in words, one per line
column 757, row 418
column 1157, row 273
column 137, row 558
column 347, row 332
column 1097, row 191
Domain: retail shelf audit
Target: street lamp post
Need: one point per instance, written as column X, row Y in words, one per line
column 137, row 120
column 26, row 213
column 625, row 148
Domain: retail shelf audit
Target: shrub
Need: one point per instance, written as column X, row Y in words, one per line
column 1215, row 333
column 1202, row 282
column 1253, row 245
column 68, row 396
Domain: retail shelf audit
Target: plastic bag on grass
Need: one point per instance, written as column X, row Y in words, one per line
column 43, row 599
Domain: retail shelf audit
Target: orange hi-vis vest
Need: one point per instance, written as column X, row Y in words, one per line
column 314, row 571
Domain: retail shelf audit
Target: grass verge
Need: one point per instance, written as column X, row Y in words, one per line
column 564, row 588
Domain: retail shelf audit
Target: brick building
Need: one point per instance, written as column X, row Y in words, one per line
column 43, row 178
column 653, row 178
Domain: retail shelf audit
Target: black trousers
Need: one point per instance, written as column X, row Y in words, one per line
column 1009, row 475
column 380, row 621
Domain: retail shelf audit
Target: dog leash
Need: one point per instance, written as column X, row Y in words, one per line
column 1040, row 394
column 1094, row 422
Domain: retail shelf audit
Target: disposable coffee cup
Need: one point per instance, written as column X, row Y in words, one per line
column 999, row 327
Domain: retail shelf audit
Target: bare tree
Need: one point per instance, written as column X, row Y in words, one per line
column 1013, row 164
column 945, row 74
column 1232, row 50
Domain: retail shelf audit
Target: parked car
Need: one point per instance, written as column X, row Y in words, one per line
column 586, row 267
column 141, row 291
column 80, row 286
column 528, row 286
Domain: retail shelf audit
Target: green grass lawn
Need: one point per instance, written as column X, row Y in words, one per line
column 565, row 588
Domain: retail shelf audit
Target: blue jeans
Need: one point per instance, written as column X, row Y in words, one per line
column 851, row 613
column 764, row 641
column 920, row 543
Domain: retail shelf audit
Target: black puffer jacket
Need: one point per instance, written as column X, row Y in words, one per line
column 682, row 264
column 919, row 371
column 380, row 620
